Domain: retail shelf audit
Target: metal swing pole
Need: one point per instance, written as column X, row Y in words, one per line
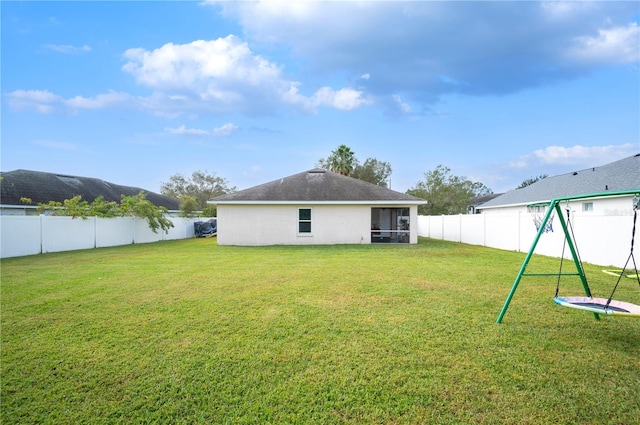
column 553, row 204
column 574, row 254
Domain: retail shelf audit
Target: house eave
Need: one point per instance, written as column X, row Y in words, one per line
column 304, row 202
column 617, row 194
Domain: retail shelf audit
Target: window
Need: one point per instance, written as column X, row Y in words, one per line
column 587, row 206
column 304, row 220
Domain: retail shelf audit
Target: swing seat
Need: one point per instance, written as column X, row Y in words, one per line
column 599, row 305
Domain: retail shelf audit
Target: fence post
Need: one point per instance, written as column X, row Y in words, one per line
column 484, row 229
column 41, row 230
column 519, row 231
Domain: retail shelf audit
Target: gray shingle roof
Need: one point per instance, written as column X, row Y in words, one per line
column 619, row 175
column 317, row 185
column 43, row 187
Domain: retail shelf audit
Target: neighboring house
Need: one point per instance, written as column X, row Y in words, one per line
column 476, row 202
column 617, row 176
column 43, row 187
column 316, row 207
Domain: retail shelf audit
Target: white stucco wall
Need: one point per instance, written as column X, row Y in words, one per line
column 278, row 224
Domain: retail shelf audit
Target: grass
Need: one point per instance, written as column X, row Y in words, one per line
column 186, row 332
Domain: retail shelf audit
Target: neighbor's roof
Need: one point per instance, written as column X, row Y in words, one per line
column 43, row 187
column 476, row 201
column 617, row 176
column 317, row 186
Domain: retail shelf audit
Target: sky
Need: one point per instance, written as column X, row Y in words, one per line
column 499, row 92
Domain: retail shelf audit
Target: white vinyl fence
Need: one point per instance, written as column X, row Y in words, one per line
column 28, row 235
column 601, row 239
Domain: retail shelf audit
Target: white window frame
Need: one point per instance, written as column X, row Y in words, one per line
column 310, row 221
column 587, row 207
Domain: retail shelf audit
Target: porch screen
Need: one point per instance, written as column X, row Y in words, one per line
column 390, row 225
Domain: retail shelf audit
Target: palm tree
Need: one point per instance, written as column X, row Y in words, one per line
column 341, row 160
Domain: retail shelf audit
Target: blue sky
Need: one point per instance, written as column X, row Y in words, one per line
column 499, row 92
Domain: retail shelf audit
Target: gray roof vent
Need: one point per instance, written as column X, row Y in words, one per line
column 69, row 180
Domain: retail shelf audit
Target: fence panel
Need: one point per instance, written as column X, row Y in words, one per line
column 67, row 234
column 143, row 234
column 451, row 228
column 182, row 228
column 502, row 231
column 20, row 235
column 601, row 239
column 608, row 241
column 435, row 226
column 472, row 228
column 30, row 235
column 114, row 231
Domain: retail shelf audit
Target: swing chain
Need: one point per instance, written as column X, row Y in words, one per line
column 569, row 234
column 636, row 205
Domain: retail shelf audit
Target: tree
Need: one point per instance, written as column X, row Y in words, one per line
column 130, row 206
column 201, row 186
column 531, row 181
column 188, row 206
column 342, row 161
column 139, row 206
column 445, row 193
column 373, row 171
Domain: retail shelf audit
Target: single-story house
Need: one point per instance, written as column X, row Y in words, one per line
column 42, row 187
column 622, row 175
column 477, row 201
column 317, row 207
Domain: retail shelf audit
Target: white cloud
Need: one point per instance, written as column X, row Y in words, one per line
column 42, row 101
column 578, row 155
column 618, row 45
column 204, row 76
column 222, row 131
column 584, row 154
column 345, row 99
column 203, row 66
column 225, row 130
column 566, row 9
column 67, row 49
column 225, row 75
column 182, row 130
column 101, row 101
column 404, row 107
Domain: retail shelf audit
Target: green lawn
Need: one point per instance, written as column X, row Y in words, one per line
column 191, row 332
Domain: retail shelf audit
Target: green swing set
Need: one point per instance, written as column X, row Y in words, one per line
column 597, row 306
